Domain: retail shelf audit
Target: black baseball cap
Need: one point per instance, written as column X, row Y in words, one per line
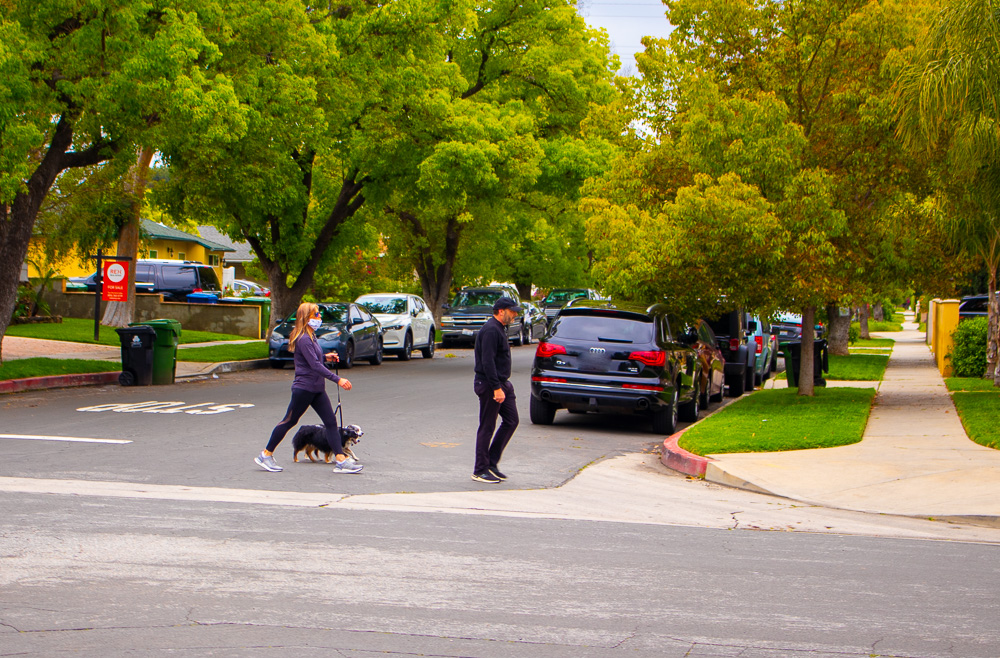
column 505, row 302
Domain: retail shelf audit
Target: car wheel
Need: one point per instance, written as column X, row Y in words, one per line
column 407, row 347
column 689, row 410
column 376, row 359
column 428, row 352
column 526, row 332
column 737, row 385
column 519, row 339
column 774, row 362
column 277, row 365
column 665, row 419
column 750, row 377
column 348, row 361
column 541, row 412
column 758, row 378
column 705, row 395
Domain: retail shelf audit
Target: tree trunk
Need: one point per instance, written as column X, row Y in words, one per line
column 808, row 347
column 120, row 314
column 863, row 321
column 838, row 330
column 17, row 219
column 435, row 274
column 877, row 313
column 524, row 290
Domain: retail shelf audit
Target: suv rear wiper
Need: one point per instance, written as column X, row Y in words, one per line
column 604, row 339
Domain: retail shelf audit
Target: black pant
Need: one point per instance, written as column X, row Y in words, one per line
column 488, row 452
column 302, row 400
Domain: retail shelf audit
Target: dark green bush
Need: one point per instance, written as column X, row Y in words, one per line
column 968, row 356
column 853, row 333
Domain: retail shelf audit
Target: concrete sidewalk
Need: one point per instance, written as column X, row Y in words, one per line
column 915, row 458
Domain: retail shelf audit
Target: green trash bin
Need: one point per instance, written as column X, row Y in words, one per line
column 792, row 351
column 265, row 312
column 168, row 334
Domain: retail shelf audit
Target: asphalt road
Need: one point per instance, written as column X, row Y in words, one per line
column 85, row 573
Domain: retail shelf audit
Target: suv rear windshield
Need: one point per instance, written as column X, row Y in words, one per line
column 603, row 328
column 564, row 296
column 476, row 298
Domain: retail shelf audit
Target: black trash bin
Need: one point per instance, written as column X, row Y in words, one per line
column 137, row 355
column 792, row 351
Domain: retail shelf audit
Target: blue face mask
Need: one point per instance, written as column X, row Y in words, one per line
column 315, row 323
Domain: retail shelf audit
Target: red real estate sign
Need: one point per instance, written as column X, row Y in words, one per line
column 115, row 287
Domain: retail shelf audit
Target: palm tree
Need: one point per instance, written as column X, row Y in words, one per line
column 950, row 96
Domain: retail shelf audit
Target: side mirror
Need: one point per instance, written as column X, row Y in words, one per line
column 752, row 326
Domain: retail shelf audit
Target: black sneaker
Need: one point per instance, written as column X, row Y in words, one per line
column 487, row 477
column 496, row 471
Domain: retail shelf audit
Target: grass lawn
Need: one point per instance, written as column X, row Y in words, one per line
column 979, row 412
column 779, row 419
column 41, row 367
column 874, row 342
column 219, row 353
column 880, row 326
column 970, row 384
column 78, row 330
column 870, row 350
column 854, row 368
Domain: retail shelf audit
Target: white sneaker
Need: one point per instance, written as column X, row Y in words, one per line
column 347, row 466
column 267, row 463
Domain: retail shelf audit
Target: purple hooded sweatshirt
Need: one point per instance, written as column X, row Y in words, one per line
column 310, row 370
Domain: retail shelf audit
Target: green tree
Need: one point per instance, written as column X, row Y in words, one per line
column 79, row 83
column 949, row 97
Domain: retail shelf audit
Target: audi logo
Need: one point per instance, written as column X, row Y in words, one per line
column 597, row 350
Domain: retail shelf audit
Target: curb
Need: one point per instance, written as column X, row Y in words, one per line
column 678, row 459
column 59, row 381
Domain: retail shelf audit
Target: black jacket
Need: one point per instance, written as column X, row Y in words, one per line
column 492, row 354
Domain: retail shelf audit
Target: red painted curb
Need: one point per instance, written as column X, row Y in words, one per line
column 58, row 381
column 677, row 458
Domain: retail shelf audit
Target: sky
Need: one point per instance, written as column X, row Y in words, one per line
column 626, row 21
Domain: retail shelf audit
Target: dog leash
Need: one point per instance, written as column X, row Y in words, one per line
column 339, row 413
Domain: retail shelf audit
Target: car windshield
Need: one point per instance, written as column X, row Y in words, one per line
column 603, row 329
column 387, row 305
column 563, row 296
column 329, row 315
column 476, row 298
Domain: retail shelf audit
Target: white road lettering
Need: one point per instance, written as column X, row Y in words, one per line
column 154, row 407
column 73, row 439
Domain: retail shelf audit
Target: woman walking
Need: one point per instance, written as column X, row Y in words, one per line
column 309, row 390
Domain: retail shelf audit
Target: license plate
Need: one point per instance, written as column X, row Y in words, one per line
column 466, row 332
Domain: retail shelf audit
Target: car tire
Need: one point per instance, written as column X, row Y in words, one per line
column 737, row 385
column 348, row 361
column 541, row 412
column 750, row 377
column 665, row 419
column 407, row 347
column 758, row 379
column 688, row 411
column 525, row 335
column 705, row 395
column 519, row 339
column 428, row 352
column 277, row 365
column 376, row 359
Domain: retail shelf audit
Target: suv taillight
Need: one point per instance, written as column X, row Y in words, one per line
column 760, row 343
column 198, row 290
column 734, row 344
column 651, row 358
column 545, row 350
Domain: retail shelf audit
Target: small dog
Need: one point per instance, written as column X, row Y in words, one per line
column 312, row 440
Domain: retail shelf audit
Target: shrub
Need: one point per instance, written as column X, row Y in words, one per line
column 853, row 333
column 968, row 356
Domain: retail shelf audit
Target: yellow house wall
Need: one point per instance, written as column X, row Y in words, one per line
column 168, row 249
column 945, row 322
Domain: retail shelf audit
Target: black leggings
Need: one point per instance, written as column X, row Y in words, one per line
column 302, row 400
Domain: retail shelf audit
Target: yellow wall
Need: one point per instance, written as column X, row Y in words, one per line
column 166, row 249
column 945, row 319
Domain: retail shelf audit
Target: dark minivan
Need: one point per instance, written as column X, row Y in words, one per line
column 615, row 357
column 174, row 279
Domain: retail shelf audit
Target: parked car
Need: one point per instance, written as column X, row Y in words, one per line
column 470, row 310
column 406, row 320
column 731, row 336
column 347, row 329
column 789, row 326
column 534, row 322
column 764, row 340
column 701, row 338
column 974, row 306
column 617, row 358
column 174, row 279
column 559, row 296
column 250, row 288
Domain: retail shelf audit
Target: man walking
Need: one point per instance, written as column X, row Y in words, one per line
column 496, row 393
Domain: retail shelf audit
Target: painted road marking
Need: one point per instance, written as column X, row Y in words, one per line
column 74, row 439
column 154, row 407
